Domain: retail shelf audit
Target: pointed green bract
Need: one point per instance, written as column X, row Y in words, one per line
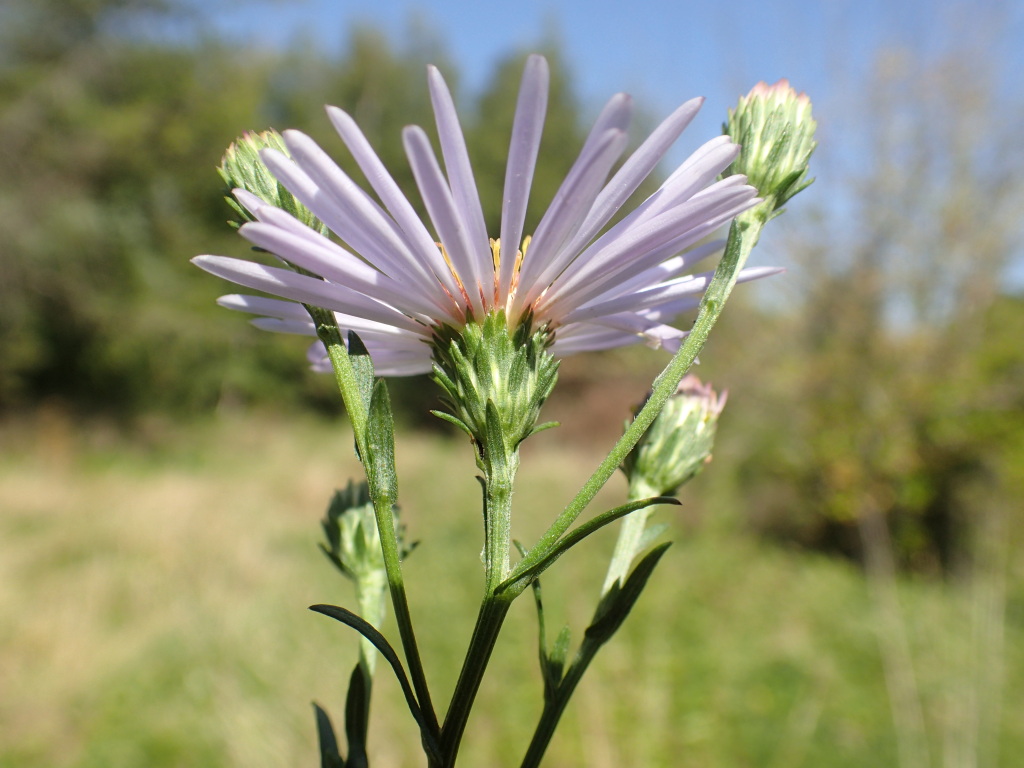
column 490, row 362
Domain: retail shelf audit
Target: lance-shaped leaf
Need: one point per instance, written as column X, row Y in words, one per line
column 329, row 755
column 619, row 600
column 357, row 710
column 379, row 642
column 520, row 577
column 362, row 366
column 380, row 444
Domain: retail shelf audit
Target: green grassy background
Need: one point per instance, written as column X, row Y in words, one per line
column 153, row 602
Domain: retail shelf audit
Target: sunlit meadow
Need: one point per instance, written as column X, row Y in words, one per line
column 153, row 594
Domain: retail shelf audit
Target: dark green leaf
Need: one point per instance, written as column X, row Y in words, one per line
column 329, row 755
column 357, row 710
column 557, row 657
column 379, row 642
column 619, row 602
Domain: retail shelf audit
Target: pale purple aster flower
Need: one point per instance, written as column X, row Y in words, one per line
column 394, row 286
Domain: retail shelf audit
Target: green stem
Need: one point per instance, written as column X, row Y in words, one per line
column 631, row 532
column 500, row 465
column 555, row 706
column 743, row 235
column 485, row 634
column 498, row 521
column 357, row 409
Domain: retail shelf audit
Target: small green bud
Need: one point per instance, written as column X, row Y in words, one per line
column 774, row 127
column 678, row 443
column 243, row 168
column 353, row 542
column 488, row 362
column 353, row 545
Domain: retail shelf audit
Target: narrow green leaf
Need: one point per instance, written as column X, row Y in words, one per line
column 618, row 603
column 379, row 642
column 521, row 577
column 560, row 652
column 357, row 709
column 380, row 444
column 329, row 755
column 362, row 366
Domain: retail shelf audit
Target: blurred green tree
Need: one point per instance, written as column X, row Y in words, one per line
column 110, row 143
column 881, row 394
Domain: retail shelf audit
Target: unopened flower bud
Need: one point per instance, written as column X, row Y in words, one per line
column 353, row 542
column 353, row 545
column 678, row 443
column 243, row 168
column 774, row 127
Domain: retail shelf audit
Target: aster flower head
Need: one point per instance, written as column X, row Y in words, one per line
column 389, row 278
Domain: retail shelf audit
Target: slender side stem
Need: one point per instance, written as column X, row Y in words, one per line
column 630, row 533
column 555, row 706
column 743, row 235
column 357, row 410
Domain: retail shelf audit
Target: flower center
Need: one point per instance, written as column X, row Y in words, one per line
column 498, row 299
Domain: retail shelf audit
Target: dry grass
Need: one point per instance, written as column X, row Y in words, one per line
column 152, row 613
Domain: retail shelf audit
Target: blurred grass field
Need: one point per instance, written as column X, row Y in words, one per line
column 153, row 600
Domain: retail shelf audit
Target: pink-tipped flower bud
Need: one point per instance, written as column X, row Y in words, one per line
column 774, row 127
column 678, row 443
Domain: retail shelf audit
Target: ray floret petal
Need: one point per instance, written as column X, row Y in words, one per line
column 396, row 282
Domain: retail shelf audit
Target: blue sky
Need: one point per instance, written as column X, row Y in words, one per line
column 665, row 51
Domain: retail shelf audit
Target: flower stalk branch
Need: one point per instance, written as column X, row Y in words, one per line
column 743, row 236
column 358, row 409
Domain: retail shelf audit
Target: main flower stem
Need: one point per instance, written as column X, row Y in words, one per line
column 500, row 467
column 485, row 634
